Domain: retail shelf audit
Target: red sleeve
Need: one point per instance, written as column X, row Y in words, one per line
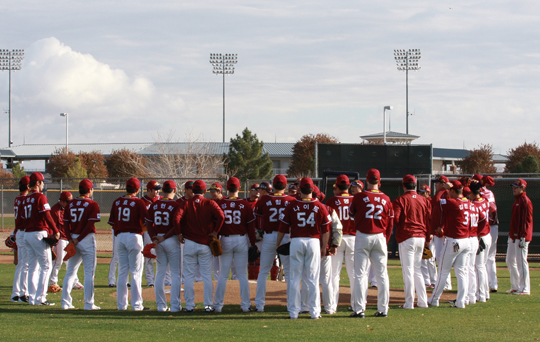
column 285, row 224
column 218, row 216
column 390, row 221
column 149, row 222
column 50, row 222
column 396, row 205
column 177, row 218
column 112, row 216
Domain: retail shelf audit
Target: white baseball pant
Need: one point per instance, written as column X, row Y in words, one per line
column 235, row 249
column 39, row 266
column 130, row 259
column 57, row 263
column 429, row 268
column 148, row 262
column 20, row 281
column 516, row 259
column 168, row 257
column 410, row 254
column 471, row 270
column 215, row 267
column 201, row 255
column 482, row 292
column 268, row 254
column 452, row 256
column 85, row 253
column 439, row 248
column 114, row 261
column 370, row 248
column 345, row 252
column 491, row 265
column 325, row 279
column 305, row 261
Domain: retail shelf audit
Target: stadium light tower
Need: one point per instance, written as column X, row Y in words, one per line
column 407, row 60
column 66, row 115
column 10, row 60
column 223, row 64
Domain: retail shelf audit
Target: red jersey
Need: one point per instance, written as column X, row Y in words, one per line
column 341, row 206
column 19, row 213
column 436, row 218
column 35, row 205
column 148, row 201
column 270, row 208
column 57, row 213
column 82, row 214
column 456, row 215
column 372, row 211
column 411, row 216
column 127, row 215
column 161, row 216
column 493, row 217
column 482, row 210
column 252, row 203
column 307, row 217
column 239, row 218
column 521, row 221
column 198, row 218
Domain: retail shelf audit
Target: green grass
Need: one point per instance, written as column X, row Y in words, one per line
column 504, row 317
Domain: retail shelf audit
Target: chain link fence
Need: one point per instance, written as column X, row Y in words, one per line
column 106, row 192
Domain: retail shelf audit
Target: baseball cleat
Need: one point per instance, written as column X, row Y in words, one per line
column 432, row 286
column 380, row 314
column 23, row 299
column 112, row 285
column 511, row 291
column 358, row 315
column 47, row 303
column 492, row 290
column 522, row 293
column 150, row 285
column 329, row 312
column 209, row 309
column 15, row 299
column 128, row 285
column 78, row 286
column 451, row 302
column 93, row 308
column 187, row 310
column 67, row 307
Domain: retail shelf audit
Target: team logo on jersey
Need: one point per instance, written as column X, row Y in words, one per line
column 47, row 206
column 99, row 216
column 132, row 204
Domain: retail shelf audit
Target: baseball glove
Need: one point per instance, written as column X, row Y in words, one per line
column 51, row 240
column 147, row 251
column 10, row 242
column 54, row 288
column 70, row 251
column 253, row 254
column 215, row 247
column 284, row 249
column 427, row 253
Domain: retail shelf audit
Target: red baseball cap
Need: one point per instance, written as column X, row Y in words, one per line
column 65, row 196
column 307, row 183
column 213, row 187
column 189, row 184
column 25, row 180
column 488, row 181
column 316, row 191
column 520, row 183
column 477, row 177
column 374, row 175
column 456, row 184
column 466, row 191
column 199, row 185
column 441, row 179
column 358, row 183
column 86, row 184
column 279, row 180
column 409, row 179
column 153, row 185
column 265, row 186
column 342, row 180
column 36, row 176
column 133, row 184
column 233, row 182
column 169, row 184
column 425, row 188
column 254, row 186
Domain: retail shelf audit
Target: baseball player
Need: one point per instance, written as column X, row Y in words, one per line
column 254, row 195
column 265, row 188
column 127, row 216
column 38, row 222
column 82, row 214
column 160, row 227
column 308, row 222
column 484, row 241
column 521, row 229
column 456, row 221
column 373, row 213
column 411, row 218
column 239, row 222
column 340, row 203
column 292, row 191
column 57, row 213
column 470, row 298
column 429, row 268
column 269, row 208
column 216, row 193
column 202, row 220
column 20, row 281
column 152, row 196
column 436, row 222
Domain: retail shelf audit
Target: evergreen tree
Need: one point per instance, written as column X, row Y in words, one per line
column 77, row 170
column 528, row 164
column 18, row 171
column 246, row 159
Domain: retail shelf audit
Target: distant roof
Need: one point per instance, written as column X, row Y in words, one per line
column 449, row 153
column 390, row 135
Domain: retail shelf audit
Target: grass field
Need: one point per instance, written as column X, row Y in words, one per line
column 503, row 317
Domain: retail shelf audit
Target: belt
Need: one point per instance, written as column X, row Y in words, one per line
column 233, row 235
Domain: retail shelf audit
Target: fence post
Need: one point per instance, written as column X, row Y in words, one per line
column 2, row 206
column 61, row 185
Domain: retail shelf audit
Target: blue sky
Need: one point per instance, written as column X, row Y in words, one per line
column 128, row 71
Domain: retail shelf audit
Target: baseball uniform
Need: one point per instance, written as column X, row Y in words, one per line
column 57, row 213
column 20, row 281
column 471, row 257
column 149, row 262
column 436, row 222
column 491, row 265
column 484, row 237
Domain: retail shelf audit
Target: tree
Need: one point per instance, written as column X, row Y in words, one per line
column 18, row 171
column 529, row 164
column 479, row 160
column 246, row 159
column 6, row 178
column 124, row 163
column 303, row 158
column 61, row 160
column 94, row 163
column 77, row 170
column 517, row 154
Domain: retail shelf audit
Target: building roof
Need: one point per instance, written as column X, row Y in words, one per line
column 390, row 136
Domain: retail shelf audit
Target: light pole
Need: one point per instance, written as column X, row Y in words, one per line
column 66, row 115
column 407, row 60
column 11, row 60
column 223, row 64
column 384, row 122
